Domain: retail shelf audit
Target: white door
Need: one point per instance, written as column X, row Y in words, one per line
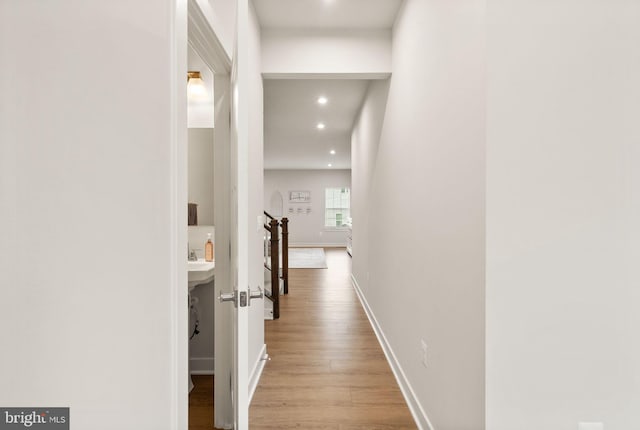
column 239, row 219
column 237, row 294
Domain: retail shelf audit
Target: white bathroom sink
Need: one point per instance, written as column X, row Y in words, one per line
column 200, row 272
column 200, row 265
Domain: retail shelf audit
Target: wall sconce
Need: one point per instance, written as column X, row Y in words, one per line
column 196, row 89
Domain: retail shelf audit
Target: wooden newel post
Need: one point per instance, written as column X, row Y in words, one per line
column 275, row 268
column 285, row 254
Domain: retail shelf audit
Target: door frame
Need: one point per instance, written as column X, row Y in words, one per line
column 204, row 41
column 178, row 183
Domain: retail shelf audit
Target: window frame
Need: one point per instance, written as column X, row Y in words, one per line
column 343, row 227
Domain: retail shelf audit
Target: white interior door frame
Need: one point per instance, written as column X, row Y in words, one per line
column 178, row 183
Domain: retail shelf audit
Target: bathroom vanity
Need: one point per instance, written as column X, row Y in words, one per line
column 200, row 272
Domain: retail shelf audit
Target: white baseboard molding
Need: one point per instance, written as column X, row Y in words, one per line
column 317, row 245
column 256, row 373
column 202, row 365
column 419, row 415
column 268, row 310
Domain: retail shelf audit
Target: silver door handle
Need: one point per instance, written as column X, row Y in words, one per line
column 255, row 294
column 229, row 297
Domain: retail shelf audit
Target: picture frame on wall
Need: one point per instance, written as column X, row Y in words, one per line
column 299, row 196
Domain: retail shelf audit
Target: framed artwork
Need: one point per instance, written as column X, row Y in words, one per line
column 299, row 196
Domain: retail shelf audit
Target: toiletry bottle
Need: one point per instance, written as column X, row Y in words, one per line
column 208, row 249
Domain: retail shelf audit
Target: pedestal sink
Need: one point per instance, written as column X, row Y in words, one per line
column 200, row 272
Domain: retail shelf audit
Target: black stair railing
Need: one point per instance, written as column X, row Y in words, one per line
column 274, row 263
column 284, row 222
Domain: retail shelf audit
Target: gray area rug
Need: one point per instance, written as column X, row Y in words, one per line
column 307, row 258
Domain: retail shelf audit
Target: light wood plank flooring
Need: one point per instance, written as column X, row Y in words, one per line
column 327, row 370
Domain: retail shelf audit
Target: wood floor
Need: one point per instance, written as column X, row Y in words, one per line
column 201, row 403
column 327, row 370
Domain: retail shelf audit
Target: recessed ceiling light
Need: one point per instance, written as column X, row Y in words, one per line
column 322, row 100
column 320, row 126
column 332, row 152
column 329, row 165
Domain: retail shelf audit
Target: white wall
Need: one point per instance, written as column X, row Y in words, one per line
column 563, row 211
column 320, row 52
column 307, row 229
column 364, row 151
column 423, row 277
column 197, row 235
column 201, row 173
column 92, row 298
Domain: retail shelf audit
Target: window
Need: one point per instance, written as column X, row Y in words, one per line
column 337, row 207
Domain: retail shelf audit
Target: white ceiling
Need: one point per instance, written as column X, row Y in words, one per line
column 291, row 113
column 326, row 14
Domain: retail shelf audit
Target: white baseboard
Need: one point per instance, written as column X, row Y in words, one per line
column 256, row 373
column 317, row 245
column 268, row 310
column 202, row 365
column 419, row 415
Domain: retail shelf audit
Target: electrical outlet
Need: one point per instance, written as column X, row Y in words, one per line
column 424, row 347
column 590, row 426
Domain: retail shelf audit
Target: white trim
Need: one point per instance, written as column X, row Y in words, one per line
column 202, row 365
column 202, row 372
column 419, row 415
column 317, row 245
column 370, row 76
column 205, row 41
column 256, row 373
column 178, row 307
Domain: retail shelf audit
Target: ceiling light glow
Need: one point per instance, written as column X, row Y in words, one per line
column 332, row 152
column 329, row 165
column 320, row 126
column 322, row 100
column 196, row 89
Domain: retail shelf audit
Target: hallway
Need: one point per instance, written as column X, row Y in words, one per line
column 327, row 370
